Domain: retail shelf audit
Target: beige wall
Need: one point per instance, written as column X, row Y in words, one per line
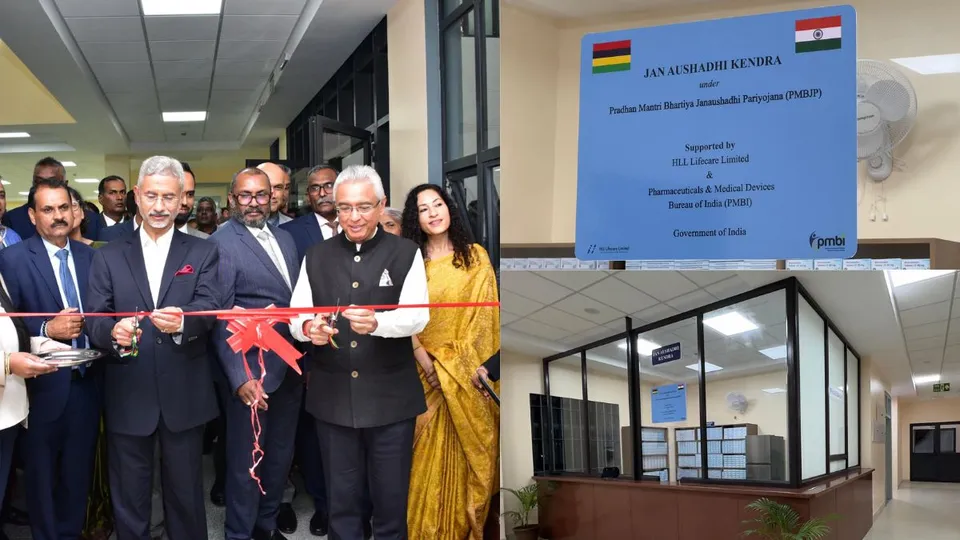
column 540, row 77
column 872, row 387
column 406, row 55
column 917, row 411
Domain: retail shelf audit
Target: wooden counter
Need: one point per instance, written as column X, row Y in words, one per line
column 590, row 508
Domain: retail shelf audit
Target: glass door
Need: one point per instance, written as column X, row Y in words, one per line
column 934, row 456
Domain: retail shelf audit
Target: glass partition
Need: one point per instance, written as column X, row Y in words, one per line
column 759, row 388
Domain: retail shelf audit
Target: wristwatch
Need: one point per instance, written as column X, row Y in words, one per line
column 43, row 329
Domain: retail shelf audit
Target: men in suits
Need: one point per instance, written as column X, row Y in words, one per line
column 321, row 224
column 186, row 204
column 8, row 236
column 366, row 393
column 48, row 273
column 164, row 390
column 112, row 194
column 18, row 219
column 258, row 268
column 280, row 192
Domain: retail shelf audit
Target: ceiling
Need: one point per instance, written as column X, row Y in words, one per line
column 572, row 9
column 114, row 71
column 545, row 313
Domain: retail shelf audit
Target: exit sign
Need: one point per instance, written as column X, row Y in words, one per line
column 941, row 387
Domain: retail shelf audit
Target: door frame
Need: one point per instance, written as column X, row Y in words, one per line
column 935, row 454
column 888, row 454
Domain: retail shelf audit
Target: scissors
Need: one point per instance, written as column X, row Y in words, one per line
column 332, row 323
column 136, row 328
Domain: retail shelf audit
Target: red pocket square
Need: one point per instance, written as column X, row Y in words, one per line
column 185, row 271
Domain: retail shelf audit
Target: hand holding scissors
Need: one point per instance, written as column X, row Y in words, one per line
column 322, row 329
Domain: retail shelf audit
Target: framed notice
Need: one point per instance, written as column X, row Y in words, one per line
column 725, row 139
column 668, row 403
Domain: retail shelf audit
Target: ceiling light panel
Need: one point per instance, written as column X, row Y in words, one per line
column 188, row 116
column 730, row 323
column 936, row 64
column 181, row 7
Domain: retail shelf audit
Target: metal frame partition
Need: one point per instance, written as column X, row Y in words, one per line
column 793, row 292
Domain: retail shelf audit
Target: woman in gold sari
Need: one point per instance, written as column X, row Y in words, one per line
column 457, row 441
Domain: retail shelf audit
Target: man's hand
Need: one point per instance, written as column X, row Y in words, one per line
column 65, row 327
column 167, row 320
column 28, row 366
column 319, row 331
column 362, row 321
column 481, row 373
column 251, row 393
column 122, row 332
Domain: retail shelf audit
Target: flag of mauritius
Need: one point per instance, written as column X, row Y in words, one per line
column 611, row 56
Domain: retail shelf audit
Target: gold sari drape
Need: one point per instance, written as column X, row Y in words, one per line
column 457, row 441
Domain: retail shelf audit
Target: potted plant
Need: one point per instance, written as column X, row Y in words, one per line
column 527, row 496
column 778, row 521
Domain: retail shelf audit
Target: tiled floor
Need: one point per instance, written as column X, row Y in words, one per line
column 302, row 503
column 921, row 511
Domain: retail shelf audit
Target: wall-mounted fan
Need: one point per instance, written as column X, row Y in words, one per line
column 737, row 402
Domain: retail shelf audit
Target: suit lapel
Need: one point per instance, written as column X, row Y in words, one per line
column 247, row 238
column 290, row 258
column 314, row 230
column 178, row 252
column 41, row 261
column 82, row 264
column 138, row 269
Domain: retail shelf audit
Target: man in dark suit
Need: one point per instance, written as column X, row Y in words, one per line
column 258, row 268
column 366, row 393
column 320, row 224
column 164, row 390
column 127, row 226
column 47, row 273
column 18, row 219
column 112, row 194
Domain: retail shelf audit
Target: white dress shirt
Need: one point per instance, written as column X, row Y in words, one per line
column 52, row 253
column 329, row 229
column 275, row 256
column 397, row 323
column 155, row 258
column 110, row 222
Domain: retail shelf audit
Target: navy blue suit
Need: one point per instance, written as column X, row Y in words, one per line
column 18, row 219
column 166, row 391
column 111, row 233
column 249, row 278
column 64, row 419
column 306, row 232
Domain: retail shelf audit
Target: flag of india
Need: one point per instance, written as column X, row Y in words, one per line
column 821, row 34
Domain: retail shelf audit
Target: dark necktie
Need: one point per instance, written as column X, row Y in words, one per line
column 70, row 292
column 23, row 338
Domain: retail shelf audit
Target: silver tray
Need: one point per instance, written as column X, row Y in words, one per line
column 70, row 357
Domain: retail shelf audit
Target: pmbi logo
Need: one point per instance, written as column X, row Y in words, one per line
column 828, row 243
column 591, row 249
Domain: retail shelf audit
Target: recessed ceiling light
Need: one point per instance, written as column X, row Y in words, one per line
column 899, row 278
column 24, row 193
column 87, row 180
column 730, row 323
column 181, row 7
column 774, row 390
column 14, row 135
column 935, row 64
column 644, row 347
column 707, row 366
column 4, row 182
column 68, row 164
column 775, row 353
column 188, row 116
column 926, row 379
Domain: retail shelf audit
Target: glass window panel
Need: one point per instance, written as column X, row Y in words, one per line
column 608, row 409
column 813, row 413
column 838, row 416
column 922, row 439
column 492, row 72
column 853, row 412
column 460, row 89
column 663, row 409
column 565, row 406
column 450, row 5
column 948, row 439
column 746, row 385
column 464, row 192
column 838, row 465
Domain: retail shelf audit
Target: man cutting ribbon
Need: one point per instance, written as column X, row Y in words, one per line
column 366, row 393
column 258, row 268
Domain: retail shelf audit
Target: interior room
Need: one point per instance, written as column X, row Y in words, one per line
column 541, row 75
column 869, row 352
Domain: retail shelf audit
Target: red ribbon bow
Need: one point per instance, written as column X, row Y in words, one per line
column 259, row 332
column 185, row 271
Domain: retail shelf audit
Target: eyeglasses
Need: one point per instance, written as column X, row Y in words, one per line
column 247, row 198
column 168, row 199
column 362, row 209
column 315, row 188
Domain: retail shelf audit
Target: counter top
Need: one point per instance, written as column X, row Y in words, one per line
column 808, row 492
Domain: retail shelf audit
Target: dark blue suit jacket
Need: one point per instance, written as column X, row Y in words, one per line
column 249, row 279
column 306, row 232
column 167, row 380
column 32, row 283
column 18, row 219
column 111, row 233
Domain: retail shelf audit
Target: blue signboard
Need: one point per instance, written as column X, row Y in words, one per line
column 667, row 353
column 669, row 403
column 725, row 139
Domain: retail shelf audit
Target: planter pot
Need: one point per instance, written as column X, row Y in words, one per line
column 527, row 532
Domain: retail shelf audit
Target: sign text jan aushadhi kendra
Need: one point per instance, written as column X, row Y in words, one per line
column 711, row 67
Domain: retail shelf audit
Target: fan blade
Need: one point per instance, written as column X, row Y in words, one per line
column 891, row 97
column 869, row 144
